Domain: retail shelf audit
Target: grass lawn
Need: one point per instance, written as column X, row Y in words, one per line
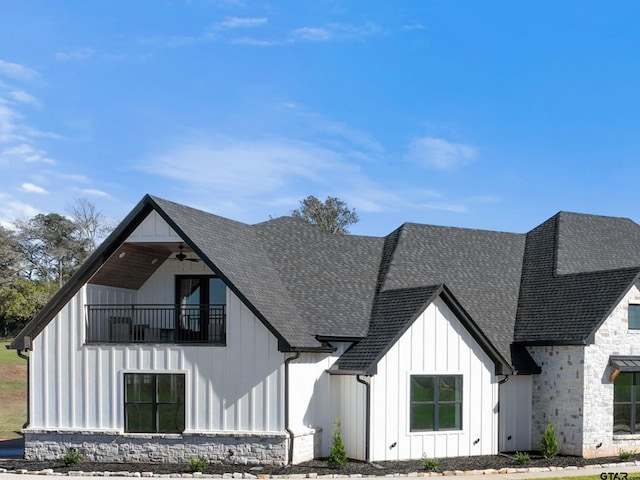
column 13, row 392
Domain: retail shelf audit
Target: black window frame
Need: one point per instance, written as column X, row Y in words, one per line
column 633, row 404
column 156, row 404
column 436, row 403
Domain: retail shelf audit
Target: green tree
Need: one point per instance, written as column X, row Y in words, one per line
column 51, row 247
column 331, row 216
column 20, row 301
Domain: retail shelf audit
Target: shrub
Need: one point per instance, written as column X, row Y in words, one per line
column 199, row 464
column 625, row 455
column 337, row 455
column 549, row 442
column 73, row 458
column 430, row 464
column 523, row 458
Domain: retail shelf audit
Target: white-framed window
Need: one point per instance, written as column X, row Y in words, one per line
column 435, row 403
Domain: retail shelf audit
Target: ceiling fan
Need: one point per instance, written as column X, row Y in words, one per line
column 181, row 257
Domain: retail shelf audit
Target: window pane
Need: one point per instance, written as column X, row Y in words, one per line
column 422, row 389
column 139, row 418
column 621, row 418
column 622, row 387
column 634, row 317
column 422, row 417
column 217, row 292
column 450, row 388
column 139, row 388
column 170, row 388
column 170, row 418
column 450, row 416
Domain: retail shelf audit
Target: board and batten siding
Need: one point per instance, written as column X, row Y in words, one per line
column 435, row 344
column 80, row 387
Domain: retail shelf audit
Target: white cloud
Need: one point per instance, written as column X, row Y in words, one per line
column 17, row 71
column 28, row 154
column 247, row 167
column 254, row 42
column 75, row 55
column 23, row 97
column 12, row 210
column 440, row 154
column 242, row 22
column 31, row 188
column 95, row 193
column 413, row 26
column 312, row 34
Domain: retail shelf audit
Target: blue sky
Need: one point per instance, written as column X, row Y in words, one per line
column 492, row 115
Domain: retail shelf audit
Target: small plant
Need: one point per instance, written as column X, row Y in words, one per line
column 549, row 442
column 625, row 455
column 72, row 458
column 199, row 464
column 523, row 458
column 430, row 464
column 337, row 455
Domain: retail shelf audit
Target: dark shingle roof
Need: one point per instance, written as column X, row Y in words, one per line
column 567, row 308
column 555, row 284
column 481, row 268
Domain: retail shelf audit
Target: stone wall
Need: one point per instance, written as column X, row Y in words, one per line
column 558, row 393
column 245, row 449
column 612, row 338
column 307, row 445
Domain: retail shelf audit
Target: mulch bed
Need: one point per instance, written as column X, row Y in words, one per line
column 320, row 466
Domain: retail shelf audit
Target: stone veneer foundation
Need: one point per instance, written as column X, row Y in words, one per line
column 241, row 448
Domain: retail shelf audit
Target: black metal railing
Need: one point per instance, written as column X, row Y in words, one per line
column 156, row 324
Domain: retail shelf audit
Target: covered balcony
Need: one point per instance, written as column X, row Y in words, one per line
column 156, row 324
column 121, row 298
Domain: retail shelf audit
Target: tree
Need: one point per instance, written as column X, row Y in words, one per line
column 332, row 216
column 20, row 301
column 51, row 246
column 91, row 223
column 9, row 257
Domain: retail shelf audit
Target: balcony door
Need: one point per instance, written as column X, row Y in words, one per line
column 201, row 301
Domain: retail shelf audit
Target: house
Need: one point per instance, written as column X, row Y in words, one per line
column 187, row 334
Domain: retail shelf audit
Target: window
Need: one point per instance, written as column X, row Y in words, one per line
column 634, row 317
column 201, row 301
column 626, row 397
column 436, row 402
column 154, row 403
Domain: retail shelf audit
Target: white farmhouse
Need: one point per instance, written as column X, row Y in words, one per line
column 187, row 334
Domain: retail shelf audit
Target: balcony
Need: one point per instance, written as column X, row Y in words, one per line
column 191, row 324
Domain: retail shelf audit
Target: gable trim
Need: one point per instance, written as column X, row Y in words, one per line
column 63, row 296
column 283, row 344
column 501, row 366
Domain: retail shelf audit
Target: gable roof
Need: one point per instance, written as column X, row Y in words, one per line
column 555, row 284
column 557, row 307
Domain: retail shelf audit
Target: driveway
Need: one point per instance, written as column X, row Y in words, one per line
column 13, row 448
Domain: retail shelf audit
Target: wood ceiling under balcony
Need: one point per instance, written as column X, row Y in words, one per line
column 133, row 263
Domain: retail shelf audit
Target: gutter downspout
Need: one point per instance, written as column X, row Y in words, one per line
column 286, row 405
column 26, row 357
column 367, row 427
column 500, row 382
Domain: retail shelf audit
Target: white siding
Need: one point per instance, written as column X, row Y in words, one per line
column 237, row 387
column 80, row 387
column 436, row 343
column 310, row 394
column 350, row 409
column 515, row 414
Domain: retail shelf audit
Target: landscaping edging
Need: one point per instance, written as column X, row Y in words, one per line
column 246, row 475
